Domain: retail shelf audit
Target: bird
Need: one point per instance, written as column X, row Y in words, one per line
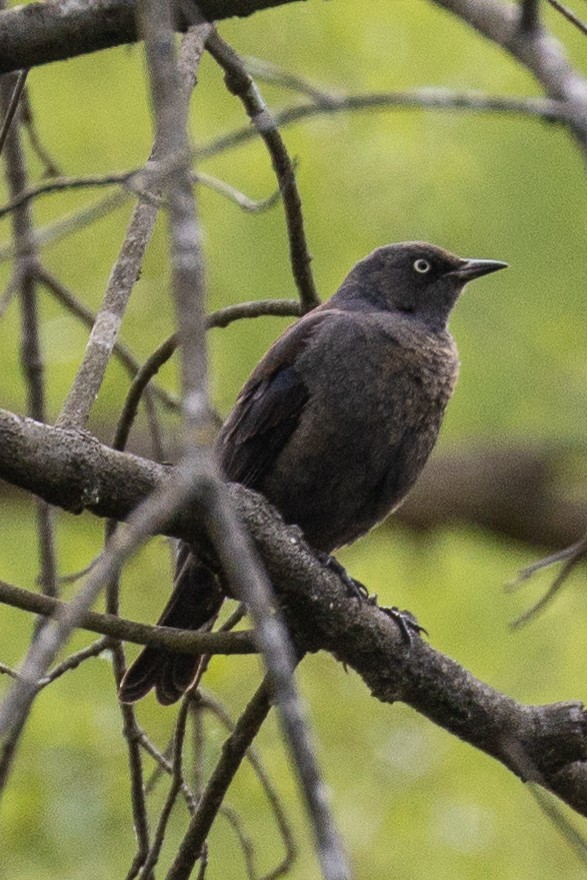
column 334, row 424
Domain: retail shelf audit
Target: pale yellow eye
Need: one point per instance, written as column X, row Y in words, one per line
column 422, row 266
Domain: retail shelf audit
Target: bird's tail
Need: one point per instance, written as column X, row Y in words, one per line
column 194, row 604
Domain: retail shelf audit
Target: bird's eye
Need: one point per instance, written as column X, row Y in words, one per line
column 422, row 266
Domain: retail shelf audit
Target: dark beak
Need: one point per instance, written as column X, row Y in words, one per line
column 475, row 268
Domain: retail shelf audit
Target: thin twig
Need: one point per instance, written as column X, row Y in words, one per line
column 571, row 557
column 75, row 576
column 28, row 120
column 74, row 660
column 240, row 83
column 233, row 753
column 175, row 788
column 560, row 821
column 70, row 224
column 62, row 184
column 164, row 765
column 186, row 641
column 198, row 745
column 130, row 731
column 74, row 305
column 17, row 85
column 252, row 206
column 221, row 318
column 419, row 99
column 31, row 355
column 245, row 842
column 237, row 615
column 8, row 670
column 266, row 71
column 203, row 862
column 569, row 15
column 206, row 701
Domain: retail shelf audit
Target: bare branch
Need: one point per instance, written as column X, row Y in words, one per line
column 417, row 99
column 233, row 753
column 206, row 701
column 51, row 169
column 221, row 318
column 74, row 471
column 33, row 367
column 124, row 274
column 8, row 670
column 74, row 660
column 170, row 105
column 538, row 51
column 571, row 557
column 126, row 178
column 239, row 83
column 184, row 641
column 530, row 17
column 40, row 33
column 569, row 15
column 11, row 105
column 177, row 781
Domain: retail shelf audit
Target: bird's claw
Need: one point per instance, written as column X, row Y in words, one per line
column 355, row 589
column 406, row 621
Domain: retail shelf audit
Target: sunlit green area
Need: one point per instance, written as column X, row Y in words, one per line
column 411, row 801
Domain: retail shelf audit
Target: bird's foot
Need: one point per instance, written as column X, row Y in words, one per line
column 355, row 589
column 406, row 621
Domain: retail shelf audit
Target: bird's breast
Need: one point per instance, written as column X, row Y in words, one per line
column 374, row 411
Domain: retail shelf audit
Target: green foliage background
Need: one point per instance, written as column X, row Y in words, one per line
column 411, row 801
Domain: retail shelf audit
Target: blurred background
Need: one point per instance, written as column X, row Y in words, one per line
column 411, row 801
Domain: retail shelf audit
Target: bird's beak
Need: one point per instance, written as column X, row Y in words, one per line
column 475, row 268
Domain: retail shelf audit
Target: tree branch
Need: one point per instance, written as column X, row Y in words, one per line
column 546, row 744
column 43, row 32
column 536, row 49
column 238, row 82
column 183, row 641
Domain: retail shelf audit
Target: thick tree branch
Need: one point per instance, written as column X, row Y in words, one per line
column 43, row 32
column 546, row 744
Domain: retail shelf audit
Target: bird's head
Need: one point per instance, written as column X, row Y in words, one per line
column 413, row 278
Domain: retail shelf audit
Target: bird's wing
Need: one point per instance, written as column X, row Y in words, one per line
column 268, row 408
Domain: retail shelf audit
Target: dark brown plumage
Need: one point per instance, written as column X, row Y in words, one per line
column 335, row 423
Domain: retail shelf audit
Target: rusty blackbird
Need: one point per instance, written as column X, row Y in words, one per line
column 334, row 425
